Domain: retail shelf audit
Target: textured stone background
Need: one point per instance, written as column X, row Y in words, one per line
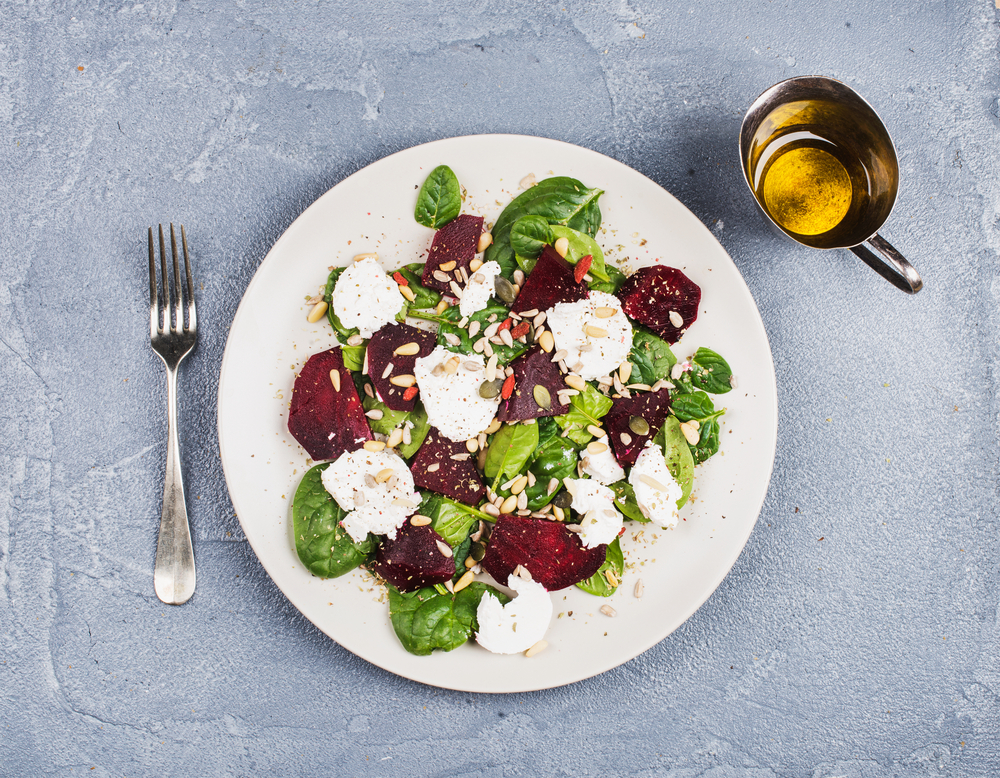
column 872, row 652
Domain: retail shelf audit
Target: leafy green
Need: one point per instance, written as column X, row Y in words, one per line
column 585, row 408
column 554, row 457
column 559, row 200
column 440, row 198
column 450, row 519
column 392, row 419
column 651, row 358
column 708, row 441
column 529, row 235
column 710, row 372
column 426, row 619
column 677, row 453
column 323, row 546
column 615, row 280
column 625, row 501
column 423, row 297
column 511, row 447
column 354, row 357
column 698, row 406
column 448, row 324
column 598, row 583
column 580, row 245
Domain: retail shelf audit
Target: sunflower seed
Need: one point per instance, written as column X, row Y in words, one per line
column 444, row 278
column 474, row 329
column 453, row 339
column 375, row 414
column 607, row 610
column 387, row 371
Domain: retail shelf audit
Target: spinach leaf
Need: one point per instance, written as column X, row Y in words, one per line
column 392, row 419
column 651, row 358
column 710, row 372
column 423, row 297
column 580, row 245
column 585, row 408
column 452, row 521
column 598, row 583
column 354, row 357
column 529, row 235
column 425, row 619
column 677, row 453
column 554, row 458
column 448, row 324
column 323, row 546
column 708, row 441
column 698, row 406
column 588, row 219
column 615, row 280
column 625, row 501
column 511, row 447
column 440, row 198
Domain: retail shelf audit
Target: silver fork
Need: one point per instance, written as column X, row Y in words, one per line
column 173, row 576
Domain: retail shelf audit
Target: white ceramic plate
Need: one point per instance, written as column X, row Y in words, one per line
column 372, row 210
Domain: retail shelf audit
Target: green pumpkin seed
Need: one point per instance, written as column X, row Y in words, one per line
column 563, row 499
column 490, row 389
column 638, row 425
column 542, row 397
column 504, row 289
column 477, row 551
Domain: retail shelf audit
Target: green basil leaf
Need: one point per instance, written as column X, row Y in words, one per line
column 598, row 583
column 509, row 450
column 677, row 453
column 440, row 198
column 529, row 235
column 710, row 372
column 392, row 419
column 423, row 297
column 615, row 280
column 651, row 358
column 323, row 546
column 448, row 324
column 625, row 501
column 425, row 620
column 580, row 245
column 585, row 409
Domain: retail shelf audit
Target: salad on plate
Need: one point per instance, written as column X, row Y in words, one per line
column 494, row 413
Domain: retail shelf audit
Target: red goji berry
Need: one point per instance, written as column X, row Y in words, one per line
column 504, row 325
column 581, row 267
column 520, row 329
column 410, row 393
column 508, row 388
column 400, row 279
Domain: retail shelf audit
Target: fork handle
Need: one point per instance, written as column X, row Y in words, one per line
column 173, row 575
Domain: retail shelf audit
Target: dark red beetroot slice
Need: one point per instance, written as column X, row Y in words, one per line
column 456, row 241
column 531, row 369
column 550, row 282
column 413, row 560
column 380, row 353
column 457, row 479
column 325, row 422
column 651, row 293
column 554, row 556
column 651, row 406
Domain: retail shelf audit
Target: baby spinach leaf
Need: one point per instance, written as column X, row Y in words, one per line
column 625, row 501
column 710, row 372
column 677, row 453
column 354, row 357
column 392, row 419
column 452, row 520
column 587, row 220
column 651, row 358
column 708, row 441
column 323, row 546
column 698, row 406
column 555, row 458
column 580, row 245
column 426, row 619
column 585, row 408
column 529, row 235
column 598, row 583
column 448, row 324
column 615, row 280
column 440, row 198
column 511, row 447
column 423, row 297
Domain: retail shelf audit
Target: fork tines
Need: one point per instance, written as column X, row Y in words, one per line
column 169, row 304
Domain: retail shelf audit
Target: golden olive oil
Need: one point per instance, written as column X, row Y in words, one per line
column 807, row 191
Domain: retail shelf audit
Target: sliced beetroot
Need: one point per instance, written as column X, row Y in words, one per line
column 413, row 560
column 554, row 556
column 381, row 350
column 651, row 294
column 652, row 407
column 551, row 281
column 455, row 242
column 455, row 478
column 531, row 369
column 327, row 422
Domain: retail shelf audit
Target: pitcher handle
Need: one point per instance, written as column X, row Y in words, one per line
column 894, row 268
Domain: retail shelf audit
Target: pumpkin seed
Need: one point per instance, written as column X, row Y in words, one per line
column 562, row 500
column 477, row 551
column 638, row 425
column 542, row 397
column 490, row 389
column 504, row 289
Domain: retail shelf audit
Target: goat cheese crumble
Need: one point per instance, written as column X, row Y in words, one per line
column 602, row 467
column 476, row 294
column 656, row 489
column 375, row 503
column 595, row 502
column 576, row 329
column 518, row 625
column 366, row 298
column 452, row 399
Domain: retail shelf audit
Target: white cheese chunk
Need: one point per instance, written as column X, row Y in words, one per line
column 452, row 400
column 656, row 489
column 597, row 356
column 518, row 625
column 366, row 298
column 477, row 294
column 603, row 467
column 380, row 509
column 600, row 522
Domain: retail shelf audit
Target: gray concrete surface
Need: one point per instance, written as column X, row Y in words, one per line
column 858, row 634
